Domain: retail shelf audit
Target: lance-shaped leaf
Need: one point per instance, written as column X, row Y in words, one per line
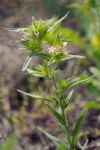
column 14, row 29
column 58, row 21
column 40, row 71
column 35, row 96
column 26, row 63
column 51, row 137
column 77, row 128
column 70, row 57
column 57, row 115
column 54, row 99
column 43, row 55
column 36, row 73
column 66, row 102
column 67, row 57
column 80, row 82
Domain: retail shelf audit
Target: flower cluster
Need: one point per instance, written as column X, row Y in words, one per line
column 59, row 50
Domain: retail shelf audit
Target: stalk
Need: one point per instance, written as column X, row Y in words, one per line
column 66, row 125
column 61, row 107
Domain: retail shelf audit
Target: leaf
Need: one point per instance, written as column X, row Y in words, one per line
column 93, row 105
column 55, row 100
column 66, row 102
column 77, row 128
column 43, row 55
column 63, row 58
column 35, row 96
column 58, row 21
column 57, row 115
column 64, row 84
column 80, row 82
column 70, row 57
column 26, row 63
column 41, row 71
column 51, row 137
column 35, row 73
column 14, row 29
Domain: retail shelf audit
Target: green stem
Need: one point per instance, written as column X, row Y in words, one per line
column 54, row 81
column 63, row 114
column 66, row 125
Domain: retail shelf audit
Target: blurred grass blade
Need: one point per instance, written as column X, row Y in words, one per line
column 62, row 146
column 93, row 105
column 35, row 96
column 51, row 137
column 77, row 128
column 10, row 143
column 57, row 115
column 85, row 145
column 26, row 63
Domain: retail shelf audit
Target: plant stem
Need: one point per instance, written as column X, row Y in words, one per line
column 63, row 114
column 66, row 125
column 54, row 66
column 54, row 82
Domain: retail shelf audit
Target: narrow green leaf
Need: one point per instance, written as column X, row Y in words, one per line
column 43, row 55
column 80, row 82
column 57, row 115
column 14, row 29
column 51, row 137
column 66, row 102
column 58, row 21
column 77, row 128
column 35, row 96
column 55, row 100
column 26, row 63
column 35, row 73
column 71, row 56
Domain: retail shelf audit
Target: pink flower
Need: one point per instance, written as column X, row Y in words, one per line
column 51, row 49
column 25, row 36
column 66, row 52
column 65, row 44
column 57, row 52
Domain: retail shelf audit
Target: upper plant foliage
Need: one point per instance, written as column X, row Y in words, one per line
column 46, row 39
